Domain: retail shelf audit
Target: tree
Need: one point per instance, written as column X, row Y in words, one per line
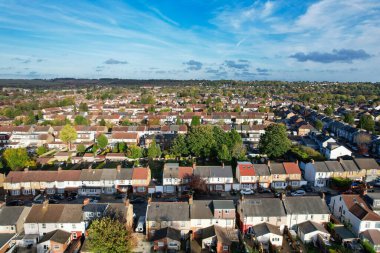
column 102, row 141
column 366, row 122
column 147, row 99
column 178, row 121
column 360, row 99
column 195, row 121
column 41, row 150
column 80, row 120
column 179, row 146
column 274, row 142
column 318, row 125
column 196, row 183
column 68, row 134
column 83, row 107
column 126, row 123
column 201, row 141
column 224, row 153
column 17, row 158
column 95, row 148
column 349, row 118
column 328, row 111
column 109, row 235
column 363, row 139
column 102, row 122
column 122, row 147
column 134, row 152
column 81, row 148
column 154, row 150
column 238, row 151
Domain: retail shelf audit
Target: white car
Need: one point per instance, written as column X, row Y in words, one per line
column 247, row 191
column 298, row 193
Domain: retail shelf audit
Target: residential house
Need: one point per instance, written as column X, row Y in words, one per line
column 140, row 179
column 267, row 234
column 45, row 218
column 336, row 169
column 166, row 239
column 293, row 173
column 305, row 208
column 279, row 176
column 12, row 219
column 263, row 175
column 218, row 178
column 128, row 138
column 311, row 231
column 373, row 201
column 56, row 241
column 167, row 214
column 352, row 170
column 218, row 238
column 317, row 173
column 246, row 175
column 205, row 213
column 372, row 236
column 351, row 209
column 333, row 151
column 370, row 166
column 175, row 177
column 251, row 212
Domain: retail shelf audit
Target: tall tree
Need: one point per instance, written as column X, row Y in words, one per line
column 195, row 121
column 201, row 141
column 274, row 142
column 179, row 146
column 109, row 235
column 134, row 152
column 17, row 158
column 154, row 150
column 68, row 134
column 122, row 147
column 328, row 111
column 238, row 151
column 196, row 183
column 349, row 118
column 80, row 120
column 102, row 122
column 224, row 154
column 83, row 107
column 366, row 122
column 318, row 125
column 81, row 148
column 102, row 141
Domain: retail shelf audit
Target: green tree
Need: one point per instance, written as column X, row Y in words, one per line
column 224, row 154
column 179, row 146
column 178, row 121
column 328, row 111
column 366, row 122
column 201, row 140
column 238, row 151
column 17, row 158
column 148, row 99
column 30, row 119
column 318, row 125
column 109, row 235
column 134, row 152
column 102, row 141
column 41, row 150
column 83, row 107
column 360, row 99
column 126, row 123
column 68, row 134
column 122, row 147
column 102, row 122
column 195, row 121
column 274, row 142
column 154, row 150
column 81, row 148
column 349, row 118
column 95, row 148
column 80, row 120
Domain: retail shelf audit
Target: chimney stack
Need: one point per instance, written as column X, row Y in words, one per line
column 45, row 204
column 323, row 195
column 297, row 161
column 191, row 199
column 268, row 163
column 118, row 168
column 194, row 165
column 312, row 161
column 222, row 165
column 59, row 168
column 86, row 201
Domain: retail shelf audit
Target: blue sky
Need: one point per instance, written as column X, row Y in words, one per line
column 334, row 40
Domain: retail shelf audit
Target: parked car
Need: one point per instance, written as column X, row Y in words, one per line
column 140, row 224
column 120, row 196
column 53, row 201
column 307, row 188
column 264, row 190
column 298, row 193
column 158, row 194
column 59, row 196
column 247, row 191
column 16, row 202
column 71, row 198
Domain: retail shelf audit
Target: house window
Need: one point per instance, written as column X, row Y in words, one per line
column 227, row 211
column 367, row 225
column 73, row 226
column 172, row 244
column 74, row 236
column 228, row 222
column 46, row 247
column 153, row 224
column 377, row 225
column 43, row 225
column 262, row 218
column 160, row 244
column 182, row 224
column 199, row 222
column 61, row 225
column 225, row 248
column 56, row 246
column 311, row 217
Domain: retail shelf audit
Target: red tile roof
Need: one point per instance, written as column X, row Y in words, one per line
column 140, row 173
column 246, row 169
column 183, row 171
column 291, row 168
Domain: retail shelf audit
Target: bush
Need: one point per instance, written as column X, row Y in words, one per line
column 368, row 247
column 340, row 182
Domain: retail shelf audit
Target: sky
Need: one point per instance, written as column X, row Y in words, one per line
column 328, row 40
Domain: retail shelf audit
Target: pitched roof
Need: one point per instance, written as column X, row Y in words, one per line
column 58, row 236
column 262, row 207
column 311, row 226
column 10, row 214
column 55, row 213
column 366, row 163
column 262, row 170
column 246, row 169
column 140, row 173
column 123, row 135
column 168, row 211
column 349, row 165
column 320, row 167
column 266, row 228
column 305, row 205
column 167, row 232
column 291, row 168
column 334, row 166
column 362, row 212
column 372, row 235
column 213, row 171
column 277, row 168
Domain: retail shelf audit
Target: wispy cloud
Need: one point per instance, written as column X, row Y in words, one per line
column 113, row 61
column 193, row 65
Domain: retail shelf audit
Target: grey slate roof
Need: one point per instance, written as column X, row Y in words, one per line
column 204, row 209
column 95, row 207
column 349, row 165
column 311, row 226
column 265, row 228
column 305, row 205
column 10, row 214
column 168, row 211
column 262, row 207
column 124, row 174
column 262, row 169
column 171, row 170
column 223, row 204
column 4, row 238
column 334, row 166
column 213, row 171
column 58, row 235
column 320, row 167
column 167, row 232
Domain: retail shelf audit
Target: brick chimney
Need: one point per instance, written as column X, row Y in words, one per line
column 194, row 165
column 45, row 204
column 222, row 165
column 268, row 163
column 297, row 161
column 191, row 199
column 118, row 168
column 59, row 168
